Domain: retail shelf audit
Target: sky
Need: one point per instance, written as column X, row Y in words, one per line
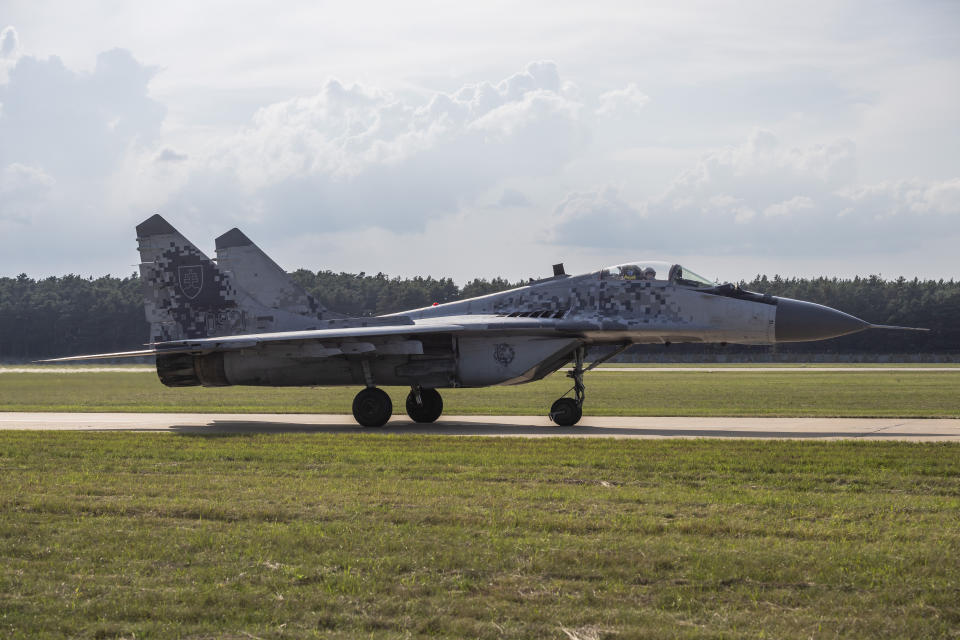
column 486, row 139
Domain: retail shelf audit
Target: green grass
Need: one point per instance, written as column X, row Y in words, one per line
column 873, row 394
column 778, row 365
column 344, row 536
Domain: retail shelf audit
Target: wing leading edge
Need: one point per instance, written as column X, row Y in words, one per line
column 455, row 324
column 247, row 341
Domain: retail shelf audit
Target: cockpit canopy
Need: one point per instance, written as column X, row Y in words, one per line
column 656, row 270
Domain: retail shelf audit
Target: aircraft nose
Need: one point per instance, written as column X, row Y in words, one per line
column 799, row 321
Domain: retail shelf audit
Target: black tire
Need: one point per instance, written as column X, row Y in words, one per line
column 566, row 412
column 427, row 412
column 372, row 407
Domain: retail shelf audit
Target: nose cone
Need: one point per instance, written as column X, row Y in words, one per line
column 799, row 321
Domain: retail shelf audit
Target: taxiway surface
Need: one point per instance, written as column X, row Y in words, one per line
column 734, row 368
column 914, row 429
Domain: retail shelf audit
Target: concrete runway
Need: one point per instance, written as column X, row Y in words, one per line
column 913, row 429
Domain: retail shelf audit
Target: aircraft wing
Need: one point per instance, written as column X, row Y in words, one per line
column 104, row 356
column 340, row 335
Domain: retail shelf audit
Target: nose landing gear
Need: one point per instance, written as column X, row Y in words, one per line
column 567, row 412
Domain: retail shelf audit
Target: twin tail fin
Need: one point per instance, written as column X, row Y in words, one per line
column 187, row 295
column 262, row 278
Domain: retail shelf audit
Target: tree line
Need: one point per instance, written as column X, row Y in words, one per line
column 73, row 314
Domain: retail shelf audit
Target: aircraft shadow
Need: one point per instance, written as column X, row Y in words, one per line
column 218, row 428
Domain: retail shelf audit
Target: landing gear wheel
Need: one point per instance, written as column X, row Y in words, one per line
column 428, row 409
column 566, row 412
column 372, row 407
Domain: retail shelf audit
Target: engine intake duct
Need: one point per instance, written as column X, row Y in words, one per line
column 185, row 370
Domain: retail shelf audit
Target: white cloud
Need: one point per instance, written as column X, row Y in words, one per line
column 794, row 206
column 76, row 125
column 513, row 198
column 943, row 198
column 169, row 155
column 920, row 200
column 622, row 103
column 763, row 169
column 604, row 208
column 763, row 197
column 425, row 149
column 9, row 43
column 23, row 191
column 64, row 135
column 9, row 51
column 355, row 156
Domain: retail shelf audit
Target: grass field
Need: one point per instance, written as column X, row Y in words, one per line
column 344, row 536
column 873, row 394
column 779, row 365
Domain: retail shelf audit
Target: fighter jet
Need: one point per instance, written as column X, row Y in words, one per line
column 241, row 320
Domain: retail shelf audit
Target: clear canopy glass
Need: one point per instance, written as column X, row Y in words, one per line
column 655, row 270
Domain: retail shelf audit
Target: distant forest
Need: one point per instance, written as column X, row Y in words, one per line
column 71, row 314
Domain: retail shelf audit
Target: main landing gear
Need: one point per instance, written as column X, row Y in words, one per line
column 424, row 405
column 372, row 407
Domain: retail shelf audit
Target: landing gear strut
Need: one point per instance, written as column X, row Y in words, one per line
column 372, row 407
column 424, row 405
column 567, row 412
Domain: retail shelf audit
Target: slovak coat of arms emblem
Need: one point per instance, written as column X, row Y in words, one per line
column 191, row 280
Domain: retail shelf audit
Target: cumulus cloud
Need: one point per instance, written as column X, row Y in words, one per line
column 23, row 191
column 921, row 201
column 64, row 135
column 604, row 209
column 354, row 155
column 513, row 198
column 9, row 51
column 404, row 172
column 765, row 197
column 76, row 124
column 622, row 103
column 9, row 43
column 78, row 146
column 169, row 155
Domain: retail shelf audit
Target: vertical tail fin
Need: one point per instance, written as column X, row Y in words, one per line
column 185, row 294
column 252, row 270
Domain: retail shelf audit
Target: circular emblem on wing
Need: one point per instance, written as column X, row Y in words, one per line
column 503, row 353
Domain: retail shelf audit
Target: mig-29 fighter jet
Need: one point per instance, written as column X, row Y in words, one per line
column 241, row 320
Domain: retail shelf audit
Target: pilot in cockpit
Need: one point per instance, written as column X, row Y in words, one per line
column 636, row 272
